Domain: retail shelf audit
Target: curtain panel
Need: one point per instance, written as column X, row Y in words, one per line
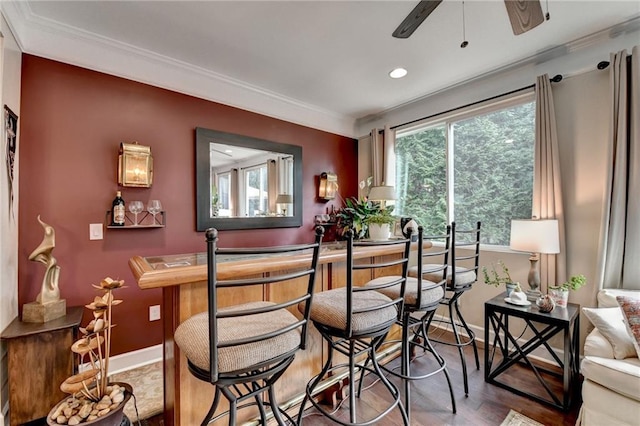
column 547, row 192
column 618, row 265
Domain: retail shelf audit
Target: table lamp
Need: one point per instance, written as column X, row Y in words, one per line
column 535, row 236
column 284, row 200
column 382, row 193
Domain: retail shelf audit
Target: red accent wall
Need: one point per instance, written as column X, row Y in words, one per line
column 72, row 122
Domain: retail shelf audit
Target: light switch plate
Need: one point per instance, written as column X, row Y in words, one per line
column 154, row 313
column 95, row 231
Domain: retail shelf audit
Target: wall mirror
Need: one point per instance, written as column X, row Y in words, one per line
column 246, row 183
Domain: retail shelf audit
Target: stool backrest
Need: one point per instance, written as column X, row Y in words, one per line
column 305, row 257
column 436, row 258
column 377, row 266
column 467, row 265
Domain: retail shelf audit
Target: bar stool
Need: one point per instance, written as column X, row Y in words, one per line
column 243, row 350
column 423, row 296
column 462, row 272
column 353, row 320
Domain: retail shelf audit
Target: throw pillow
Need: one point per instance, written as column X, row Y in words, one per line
column 631, row 311
column 610, row 323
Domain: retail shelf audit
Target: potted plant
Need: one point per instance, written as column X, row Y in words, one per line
column 93, row 400
column 495, row 278
column 560, row 293
column 379, row 223
column 353, row 216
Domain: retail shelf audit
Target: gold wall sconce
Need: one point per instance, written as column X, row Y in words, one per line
column 135, row 165
column 328, row 186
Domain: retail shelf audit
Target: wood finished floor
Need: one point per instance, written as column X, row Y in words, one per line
column 486, row 405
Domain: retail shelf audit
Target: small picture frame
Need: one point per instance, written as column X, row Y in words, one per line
column 397, row 228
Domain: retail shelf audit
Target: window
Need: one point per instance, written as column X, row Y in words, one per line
column 224, row 194
column 256, row 191
column 474, row 166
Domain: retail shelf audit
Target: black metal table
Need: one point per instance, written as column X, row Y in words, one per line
column 508, row 350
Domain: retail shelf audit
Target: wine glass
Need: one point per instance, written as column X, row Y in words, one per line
column 154, row 208
column 135, row 207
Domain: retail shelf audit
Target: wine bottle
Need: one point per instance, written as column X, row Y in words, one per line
column 117, row 210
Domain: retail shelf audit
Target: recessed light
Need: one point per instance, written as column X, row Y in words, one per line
column 398, row 73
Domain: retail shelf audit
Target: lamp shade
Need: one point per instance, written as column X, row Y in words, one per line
column 382, row 193
column 284, row 199
column 535, row 236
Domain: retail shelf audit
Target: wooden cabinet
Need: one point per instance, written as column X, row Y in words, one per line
column 39, row 359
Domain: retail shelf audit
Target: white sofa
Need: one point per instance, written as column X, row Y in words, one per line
column 611, row 387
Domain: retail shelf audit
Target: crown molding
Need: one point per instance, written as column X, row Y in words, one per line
column 50, row 39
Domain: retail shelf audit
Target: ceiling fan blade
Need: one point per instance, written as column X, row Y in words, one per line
column 524, row 14
column 415, row 18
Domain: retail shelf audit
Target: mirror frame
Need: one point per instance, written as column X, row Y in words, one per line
column 203, row 170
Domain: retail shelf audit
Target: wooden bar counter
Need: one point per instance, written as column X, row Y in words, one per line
column 183, row 280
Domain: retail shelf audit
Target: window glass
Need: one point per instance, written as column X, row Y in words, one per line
column 489, row 177
column 257, row 195
column 224, row 193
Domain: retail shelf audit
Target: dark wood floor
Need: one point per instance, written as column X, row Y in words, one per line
column 486, row 405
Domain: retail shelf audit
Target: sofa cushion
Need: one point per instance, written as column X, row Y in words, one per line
column 631, row 312
column 621, row 376
column 610, row 322
column 607, row 297
column 605, row 407
column 597, row 345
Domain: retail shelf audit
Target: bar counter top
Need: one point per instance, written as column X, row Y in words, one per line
column 178, row 269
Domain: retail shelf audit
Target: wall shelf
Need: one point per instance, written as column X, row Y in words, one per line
column 145, row 220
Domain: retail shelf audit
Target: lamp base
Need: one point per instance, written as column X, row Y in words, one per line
column 533, row 295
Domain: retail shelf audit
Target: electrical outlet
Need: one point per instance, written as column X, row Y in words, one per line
column 95, row 231
column 154, row 313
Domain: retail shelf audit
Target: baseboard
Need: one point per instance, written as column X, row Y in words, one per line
column 133, row 359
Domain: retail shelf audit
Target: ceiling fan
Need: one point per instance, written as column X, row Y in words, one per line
column 523, row 14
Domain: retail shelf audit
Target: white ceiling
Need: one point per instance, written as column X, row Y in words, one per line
column 319, row 63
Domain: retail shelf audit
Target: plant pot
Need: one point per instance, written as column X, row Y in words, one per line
column 510, row 287
column 560, row 296
column 379, row 232
column 112, row 418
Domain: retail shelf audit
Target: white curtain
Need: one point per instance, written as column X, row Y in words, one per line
column 383, row 156
column 272, row 185
column 619, row 265
column 547, row 192
column 234, row 194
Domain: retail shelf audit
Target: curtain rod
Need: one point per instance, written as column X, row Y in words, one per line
column 555, row 79
column 604, row 64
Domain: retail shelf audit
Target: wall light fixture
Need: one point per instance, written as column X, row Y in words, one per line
column 135, row 165
column 328, row 186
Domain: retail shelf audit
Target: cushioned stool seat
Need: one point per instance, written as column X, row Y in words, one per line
column 431, row 292
column 192, row 336
column 432, row 272
column 330, row 309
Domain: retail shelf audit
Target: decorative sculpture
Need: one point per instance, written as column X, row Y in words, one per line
column 48, row 305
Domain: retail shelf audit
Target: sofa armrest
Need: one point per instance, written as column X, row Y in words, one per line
column 607, row 297
column 597, row 345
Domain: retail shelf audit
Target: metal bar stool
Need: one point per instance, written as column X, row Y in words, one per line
column 421, row 296
column 353, row 320
column 462, row 272
column 243, row 350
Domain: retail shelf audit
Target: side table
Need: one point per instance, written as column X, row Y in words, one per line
column 507, row 349
column 39, row 360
